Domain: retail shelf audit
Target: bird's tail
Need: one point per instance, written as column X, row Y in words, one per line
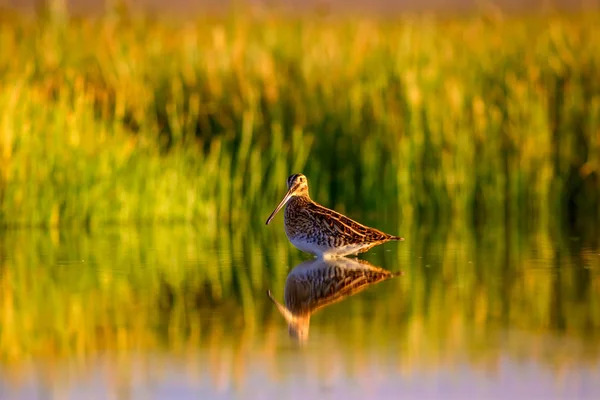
column 399, row 238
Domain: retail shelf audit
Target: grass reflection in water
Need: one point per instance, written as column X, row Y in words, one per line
column 180, row 296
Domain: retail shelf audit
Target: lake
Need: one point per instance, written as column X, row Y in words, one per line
column 182, row 311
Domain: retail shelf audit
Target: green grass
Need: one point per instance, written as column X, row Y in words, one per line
column 120, row 118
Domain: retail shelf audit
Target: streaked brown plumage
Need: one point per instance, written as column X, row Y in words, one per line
column 318, row 230
column 317, row 283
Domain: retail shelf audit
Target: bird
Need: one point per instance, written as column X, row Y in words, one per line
column 317, row 230
column 316, row 283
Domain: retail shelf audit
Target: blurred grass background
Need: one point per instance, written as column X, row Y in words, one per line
column 472, row 125
column 122, row 118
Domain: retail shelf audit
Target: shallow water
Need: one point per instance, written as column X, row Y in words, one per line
column 183, row 312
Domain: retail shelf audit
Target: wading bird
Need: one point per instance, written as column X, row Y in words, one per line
column 318, row 230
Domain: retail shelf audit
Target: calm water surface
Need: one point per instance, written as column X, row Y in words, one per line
column 183, row 312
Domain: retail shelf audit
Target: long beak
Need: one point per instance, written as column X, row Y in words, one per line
column 287, row 196
column 289, row 317
column 298, row 327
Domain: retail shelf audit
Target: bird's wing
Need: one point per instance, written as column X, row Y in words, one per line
column 338, row 224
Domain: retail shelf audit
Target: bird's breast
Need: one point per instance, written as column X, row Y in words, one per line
column 297, row 222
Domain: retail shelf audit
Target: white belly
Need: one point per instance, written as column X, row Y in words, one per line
column 325, row 251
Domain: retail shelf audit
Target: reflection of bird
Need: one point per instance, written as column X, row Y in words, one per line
column 323, row 232
column 317, row 283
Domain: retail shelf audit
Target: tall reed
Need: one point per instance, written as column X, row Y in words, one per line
column 123, row 118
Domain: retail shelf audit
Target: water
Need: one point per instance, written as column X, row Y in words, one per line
column 183, row 312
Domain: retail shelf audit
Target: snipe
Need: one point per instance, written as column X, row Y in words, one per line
column 318, row 230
